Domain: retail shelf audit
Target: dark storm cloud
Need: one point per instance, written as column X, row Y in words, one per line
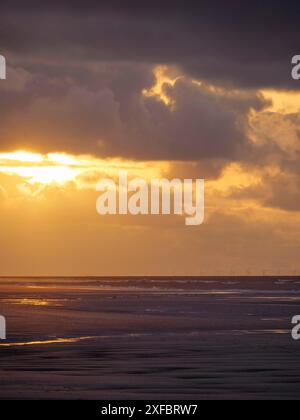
column 77, row 74
column 106, row 114
column 241, row 43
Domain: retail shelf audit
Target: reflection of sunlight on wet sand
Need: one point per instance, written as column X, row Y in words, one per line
column 277, row 298
column 33, row 302
column 54, row 341
column 253, row 332
column 274, row 331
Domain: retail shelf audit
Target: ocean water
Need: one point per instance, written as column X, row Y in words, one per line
column 150, row 338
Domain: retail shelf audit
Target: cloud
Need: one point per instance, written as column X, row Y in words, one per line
column 279, row 137
column 79, row 88
column 108, row 114
column 246, row 44
column 278, row 191
column 77, row 77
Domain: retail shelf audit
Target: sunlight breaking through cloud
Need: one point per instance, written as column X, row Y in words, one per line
column 61, row 168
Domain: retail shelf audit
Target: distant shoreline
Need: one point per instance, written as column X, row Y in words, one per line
column 236, row 276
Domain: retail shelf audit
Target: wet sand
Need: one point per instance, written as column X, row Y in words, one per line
column 203, row 338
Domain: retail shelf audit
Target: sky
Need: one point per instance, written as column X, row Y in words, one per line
column 161, row 89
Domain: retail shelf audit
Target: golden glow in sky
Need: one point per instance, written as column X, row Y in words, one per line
column 61, row 168
column 163, row 74
column 22, row 157
column 283, row 101
column 38, row 168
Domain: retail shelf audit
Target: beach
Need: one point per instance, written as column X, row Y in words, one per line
column 149, row 338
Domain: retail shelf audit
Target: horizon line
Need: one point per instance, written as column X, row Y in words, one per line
column 153, row 277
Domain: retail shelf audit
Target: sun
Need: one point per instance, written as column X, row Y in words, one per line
column 42, row 169
column 62, row 168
